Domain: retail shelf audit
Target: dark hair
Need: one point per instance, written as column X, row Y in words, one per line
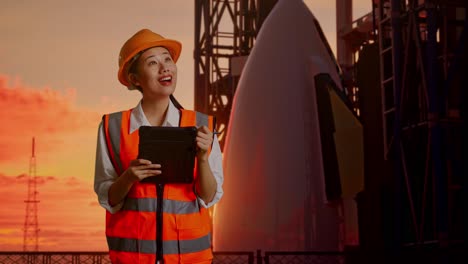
column 132, row 68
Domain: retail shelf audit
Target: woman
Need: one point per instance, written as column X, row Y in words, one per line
column 149, row 223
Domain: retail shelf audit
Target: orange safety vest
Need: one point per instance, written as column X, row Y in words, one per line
column 131, row 232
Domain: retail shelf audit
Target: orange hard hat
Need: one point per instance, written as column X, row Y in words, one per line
column 142, row 40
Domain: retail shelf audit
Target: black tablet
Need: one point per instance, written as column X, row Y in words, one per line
column 172, row 147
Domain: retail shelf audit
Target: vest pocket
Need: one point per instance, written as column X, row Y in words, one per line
column 123, row 224
column 192, row 225
column 194, row 238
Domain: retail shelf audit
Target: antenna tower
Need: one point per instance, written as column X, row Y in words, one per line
column 31, row 226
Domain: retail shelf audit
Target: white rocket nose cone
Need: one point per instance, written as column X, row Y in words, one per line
column 272, row 164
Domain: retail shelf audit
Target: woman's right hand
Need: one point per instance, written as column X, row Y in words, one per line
column 140, row 169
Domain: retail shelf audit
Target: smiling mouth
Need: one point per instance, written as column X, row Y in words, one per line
column 166, row 80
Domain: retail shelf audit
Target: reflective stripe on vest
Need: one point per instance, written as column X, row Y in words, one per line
column 169, row 246
column 180, row 206
column 112, row 125
column 169, row 206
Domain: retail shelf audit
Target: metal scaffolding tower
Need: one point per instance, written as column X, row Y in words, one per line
column 352, row 35
column 225, row 31
column 31, row 226
column 422, row 45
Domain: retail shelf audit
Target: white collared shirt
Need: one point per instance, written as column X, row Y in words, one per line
column 105, row 174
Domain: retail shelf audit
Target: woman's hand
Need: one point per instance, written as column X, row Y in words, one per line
column 204, row 140
column 137, row 171
column 206, row 182
column 140, row 169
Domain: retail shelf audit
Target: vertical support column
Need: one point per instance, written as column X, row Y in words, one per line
column 435, row 130
column 397, row 149
column 464, row 118
column 201, row 57
column 344, row 20
column 464, row 112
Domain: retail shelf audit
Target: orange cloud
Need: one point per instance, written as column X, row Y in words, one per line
column 68, row 216
column 30, row 111
column 52, row 117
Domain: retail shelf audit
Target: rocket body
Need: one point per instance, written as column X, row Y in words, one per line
column 276, row 196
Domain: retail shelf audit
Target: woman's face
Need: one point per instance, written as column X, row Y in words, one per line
column 156, row 73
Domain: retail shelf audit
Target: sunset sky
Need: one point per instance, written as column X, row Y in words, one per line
column 58, row 75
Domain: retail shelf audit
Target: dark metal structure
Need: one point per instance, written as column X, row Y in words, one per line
column 419, row 180
column 422, row 46
column 225, row 32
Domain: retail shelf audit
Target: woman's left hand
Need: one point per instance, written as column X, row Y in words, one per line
column 204, row 140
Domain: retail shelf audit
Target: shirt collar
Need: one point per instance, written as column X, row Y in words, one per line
column 138, row 118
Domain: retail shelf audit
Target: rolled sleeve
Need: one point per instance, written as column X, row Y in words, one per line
column 215, row 160
column 104, row 173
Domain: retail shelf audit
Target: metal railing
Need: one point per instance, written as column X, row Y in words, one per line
column 241, row 257
column 304, row 257
column 219, row 257
column 20, row 257
column 429, row 256
column 54, row 258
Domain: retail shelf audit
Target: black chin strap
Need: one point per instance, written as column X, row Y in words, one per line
column 175, row 102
